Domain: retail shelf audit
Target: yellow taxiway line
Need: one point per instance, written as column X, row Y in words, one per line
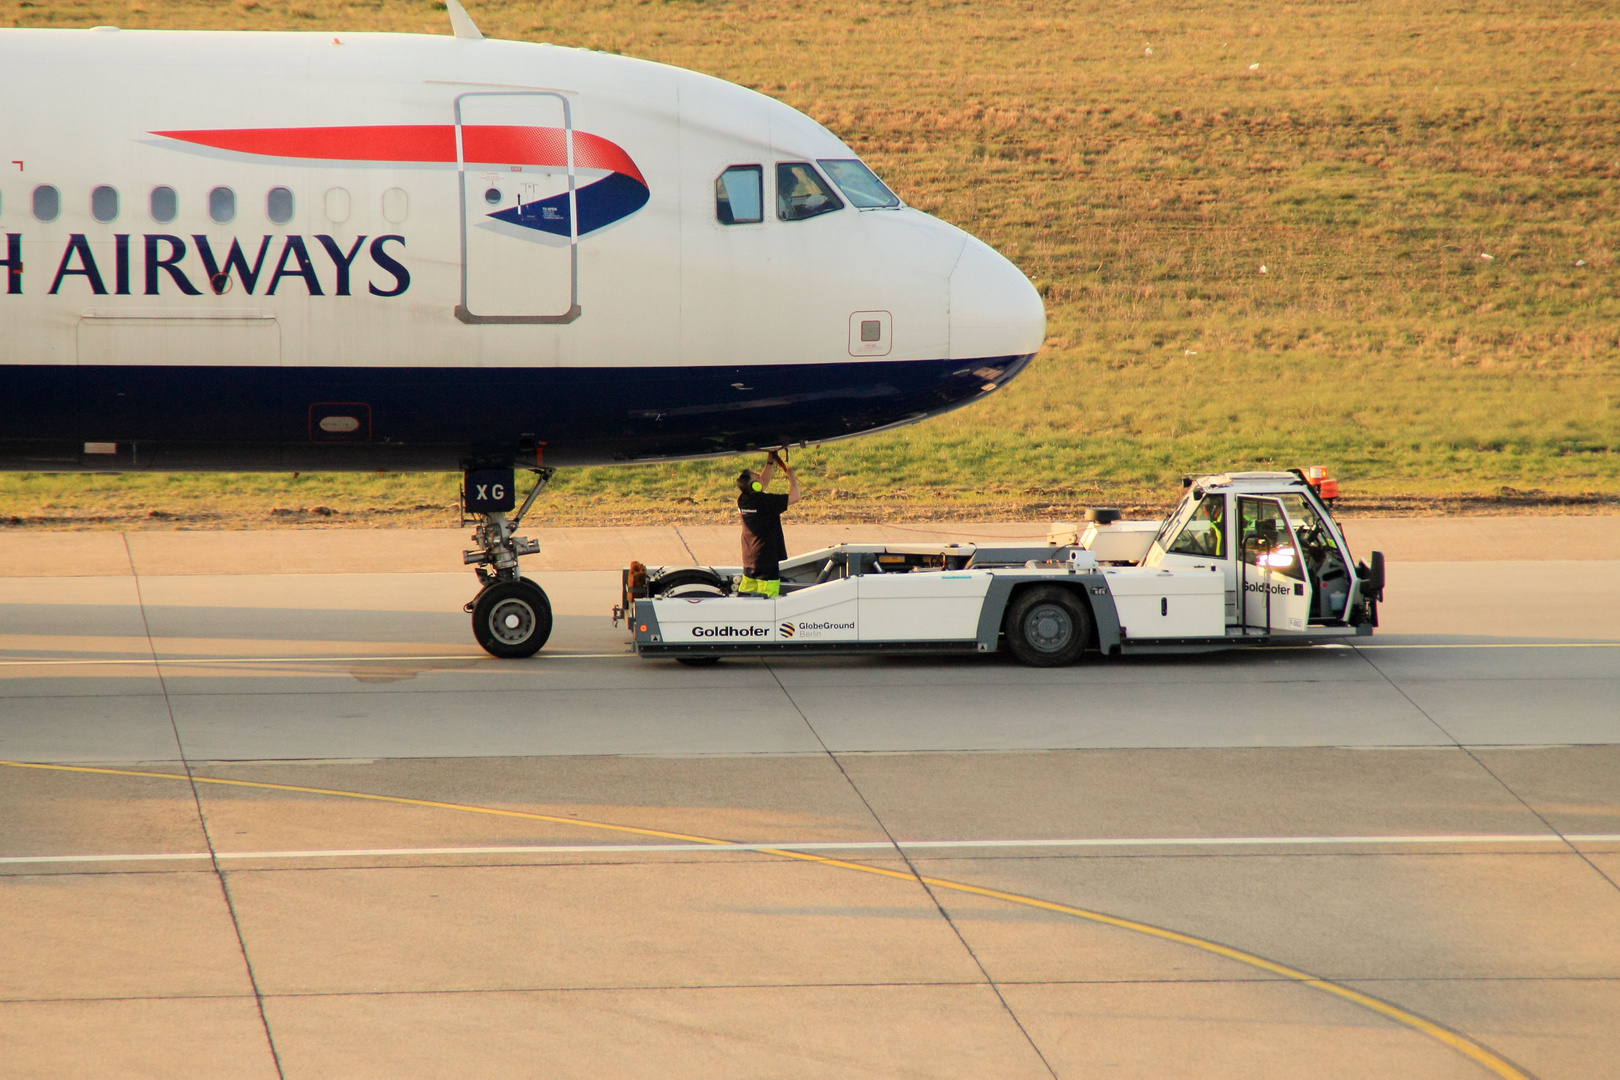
column 1457, row 1041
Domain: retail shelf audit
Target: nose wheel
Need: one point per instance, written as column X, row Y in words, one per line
column 511, row 619
column 511, row 616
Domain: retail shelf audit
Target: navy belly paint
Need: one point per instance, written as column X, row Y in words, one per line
column 325, row 418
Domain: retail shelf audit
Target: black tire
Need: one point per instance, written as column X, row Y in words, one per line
column 1047, row 626
column 691, row 581
column 512, row 619
column 698, row 661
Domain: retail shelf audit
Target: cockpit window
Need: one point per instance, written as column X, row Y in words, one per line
column 801, row 193
column 739, row 195
column 859, row 184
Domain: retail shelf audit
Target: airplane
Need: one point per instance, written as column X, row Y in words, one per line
column 231, row 251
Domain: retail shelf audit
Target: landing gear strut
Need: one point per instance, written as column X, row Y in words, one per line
column 511, row 616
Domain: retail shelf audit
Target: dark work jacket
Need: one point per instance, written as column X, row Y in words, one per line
column 763, row 547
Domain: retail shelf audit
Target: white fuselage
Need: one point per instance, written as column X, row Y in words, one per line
column 398, row 298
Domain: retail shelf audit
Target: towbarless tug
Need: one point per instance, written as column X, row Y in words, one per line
column 1245, row 559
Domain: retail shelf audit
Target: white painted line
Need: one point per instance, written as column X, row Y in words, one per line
column 1495, row 645
column 39, row 859
column 855, row 845
column 1259, row 841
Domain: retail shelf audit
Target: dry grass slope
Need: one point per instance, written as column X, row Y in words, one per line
column 1141, row 163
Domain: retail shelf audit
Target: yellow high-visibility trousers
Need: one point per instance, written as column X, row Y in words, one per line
column 759, row 587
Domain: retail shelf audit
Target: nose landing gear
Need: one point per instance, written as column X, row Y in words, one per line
column 511, row 615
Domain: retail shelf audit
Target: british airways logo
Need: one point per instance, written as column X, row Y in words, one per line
column 613, row 189
column 162, row 256
column 613, row 196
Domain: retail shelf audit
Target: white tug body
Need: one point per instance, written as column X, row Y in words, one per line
column 1245, row 559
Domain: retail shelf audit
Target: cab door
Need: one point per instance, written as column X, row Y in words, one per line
column 1197, row 536
column 1276, row 595
column 519, row 228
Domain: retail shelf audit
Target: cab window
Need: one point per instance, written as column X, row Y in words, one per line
column 1313, row 534
column 802, row 193
column 1325, row 561
column 739, row 195
column 1204, row 534
column 859, row 184
column 1268, row 542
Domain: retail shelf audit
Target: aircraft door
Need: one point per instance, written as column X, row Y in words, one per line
column 1271, row 574
column 519, row 232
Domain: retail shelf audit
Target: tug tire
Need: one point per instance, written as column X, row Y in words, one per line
column 1047, row 626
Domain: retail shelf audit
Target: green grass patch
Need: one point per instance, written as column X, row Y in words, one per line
column 1375, row 157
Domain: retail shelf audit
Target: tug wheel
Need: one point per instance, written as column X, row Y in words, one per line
column 1047, row 626
column 512, row 619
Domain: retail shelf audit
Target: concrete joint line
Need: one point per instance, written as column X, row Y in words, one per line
column 921, row 881
column 1488, row 771
column 1475, row 1051
column 202, row 821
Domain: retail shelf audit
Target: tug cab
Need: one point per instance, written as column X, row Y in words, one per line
column 1283, row 558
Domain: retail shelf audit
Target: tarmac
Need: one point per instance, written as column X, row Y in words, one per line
column 268, row 811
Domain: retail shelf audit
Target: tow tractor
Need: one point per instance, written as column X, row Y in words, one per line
column 1246, row 559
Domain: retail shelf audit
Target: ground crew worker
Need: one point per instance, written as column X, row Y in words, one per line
column 763, row 546
column 1214, row 509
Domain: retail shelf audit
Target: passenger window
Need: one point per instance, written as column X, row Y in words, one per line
column 278, row 205
column 337, row 206
column 1204, row 534
column 164, row 205
column 47, row 202
column 104, row 203
column 801, row 193
column 222, row 205
column 739, row 195
column 859, row 184
column 395, row 205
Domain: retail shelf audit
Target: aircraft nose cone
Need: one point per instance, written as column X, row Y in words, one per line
column 995, row 310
